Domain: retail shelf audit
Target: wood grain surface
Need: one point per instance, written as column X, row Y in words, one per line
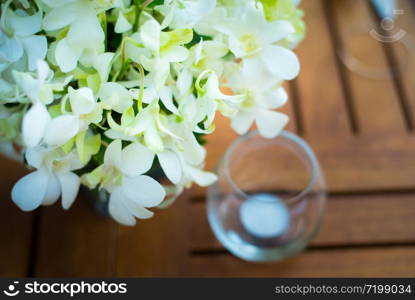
column 362, row 130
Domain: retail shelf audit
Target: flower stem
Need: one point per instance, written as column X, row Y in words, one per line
column 137, row 15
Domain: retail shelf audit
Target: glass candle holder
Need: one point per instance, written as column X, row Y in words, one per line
column 269, row 199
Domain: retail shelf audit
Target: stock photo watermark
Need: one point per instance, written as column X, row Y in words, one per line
column 64, row 288
column 390, row 33
column 387, row 32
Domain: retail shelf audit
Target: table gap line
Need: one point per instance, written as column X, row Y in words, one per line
column 336, row 42
column 112, row 257
column 318, row 248
column 34, row 243
column 335, row 194
column 296, row 107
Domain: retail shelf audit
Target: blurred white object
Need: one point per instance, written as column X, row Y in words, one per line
column 385, row 8
column 297, row 2
column 265, row 216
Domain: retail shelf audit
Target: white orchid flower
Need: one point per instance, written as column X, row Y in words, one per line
column 156, row 138
column 115, row 97
column 85, row 30
column 40, row 93
column 122, row 24
column 253, row 39
column 261, row 96
column 100, row 61
column 152, row 125
column 18, row 39
column 191, row 156
column 165, row 48
column 39, row 88
column 198, row 175
column 131, row 192
column 52, row 179
column 164, row 93
column 179, row 14
column 207, row 55
column 85, row 110
column 213, row 99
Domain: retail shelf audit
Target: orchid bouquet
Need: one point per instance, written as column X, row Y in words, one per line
column 102, row 92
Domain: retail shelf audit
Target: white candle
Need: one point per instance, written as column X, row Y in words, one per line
column 265, row 216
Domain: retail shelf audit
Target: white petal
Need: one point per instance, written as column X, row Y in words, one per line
column 112, row 155
column 61, row 129
column 276, row 31
column 29, row 85
column 149, row 94
column 144, row 190
column 166, row 97
column 29, row 191
column 170, row 163
column 270, row 123
column 118, row 210
column 43, row 70
column 137, row 210
column 201, row 8
column 24, row 25
column 194, row 153
column 60, row 17
column 215, row 49
column 201, row 177
column 122, row 24
column 36, row 48
column 150, row 35
column 70, row 186
column 242, row 122
column 102, row 64
column 11, row 49
column 115, row 96
column 153, row 140
column 34, row 124
column 136, row 159
column 184, row 82
column 35, row 156
column 93, row 38
column 176, row 54
column 82, row 100
column 114, row 134
column 53, row 191
column 67, row 56
column 281, row 62
column 57, row 3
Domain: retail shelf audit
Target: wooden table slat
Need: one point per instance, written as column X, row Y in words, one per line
column 369, row 231
column 405, row 57
column 15, row 225
column 75, row 243
column 372, row 262
column 156, row 247
column 319, row 83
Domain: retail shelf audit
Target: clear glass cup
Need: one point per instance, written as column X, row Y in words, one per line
column 269, row 199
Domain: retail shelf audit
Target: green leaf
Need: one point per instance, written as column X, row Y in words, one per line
column 55, row 110
column 87, row 145
column 176, row 37
column 128, row 117
column 68, row 146
column 93, row 178
column 94, row 82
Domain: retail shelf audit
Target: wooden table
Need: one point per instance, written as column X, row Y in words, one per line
column 362, row 131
